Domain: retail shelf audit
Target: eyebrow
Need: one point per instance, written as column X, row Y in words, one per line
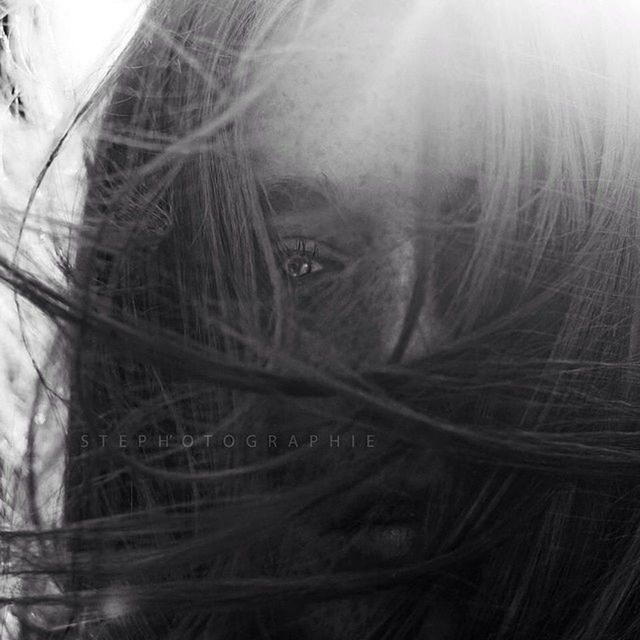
column 291, row 194
column 313, row 207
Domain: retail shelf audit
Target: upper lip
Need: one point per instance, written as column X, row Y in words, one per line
column 380, row 526
column 378, row 508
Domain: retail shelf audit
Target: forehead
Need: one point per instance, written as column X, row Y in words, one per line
column 362, row 96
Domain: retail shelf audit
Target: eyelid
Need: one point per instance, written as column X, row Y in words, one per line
column 325, row 250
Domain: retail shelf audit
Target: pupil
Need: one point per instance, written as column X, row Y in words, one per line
column 297, row 266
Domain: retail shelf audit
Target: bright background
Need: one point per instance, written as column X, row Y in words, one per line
column 88, row 32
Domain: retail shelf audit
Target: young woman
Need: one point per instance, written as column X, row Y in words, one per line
column 352, row 329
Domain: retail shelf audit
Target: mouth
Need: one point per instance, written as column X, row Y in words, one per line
column 382, row 525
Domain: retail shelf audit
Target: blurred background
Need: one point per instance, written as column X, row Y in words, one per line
column 53, row 55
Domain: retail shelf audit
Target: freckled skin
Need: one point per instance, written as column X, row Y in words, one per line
column 339, row 108
column 357, row 102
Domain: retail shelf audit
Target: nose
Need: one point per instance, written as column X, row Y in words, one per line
column 410, row 326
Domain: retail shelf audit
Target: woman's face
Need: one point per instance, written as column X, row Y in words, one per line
column 355, row 144
column 357, row 141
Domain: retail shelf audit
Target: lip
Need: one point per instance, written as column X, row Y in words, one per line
column 381, row 525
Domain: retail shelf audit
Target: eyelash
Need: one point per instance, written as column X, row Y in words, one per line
column 301, row 248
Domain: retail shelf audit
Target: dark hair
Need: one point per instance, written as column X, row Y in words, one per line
column 513, row 443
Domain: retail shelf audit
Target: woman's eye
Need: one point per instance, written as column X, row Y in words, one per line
column 297, row 266
column 301, row 258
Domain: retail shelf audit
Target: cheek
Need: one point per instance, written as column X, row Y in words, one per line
column 356, row 316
